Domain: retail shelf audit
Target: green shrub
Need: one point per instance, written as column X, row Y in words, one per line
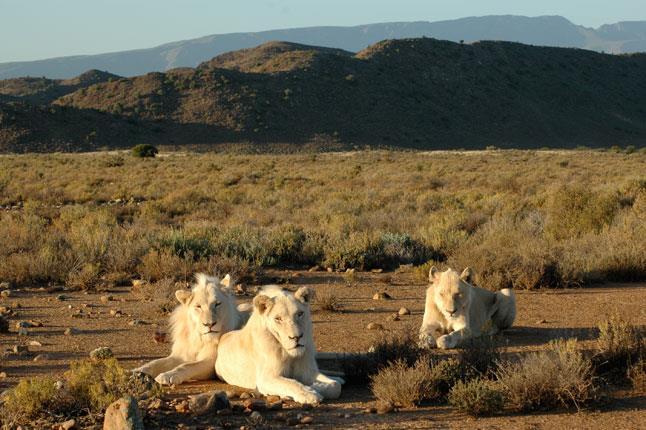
column 327, row 302
column 619, row 344
column 477, row 397
column 560, row 376
column 31, row 397
column 402, row 385
column 144, row 150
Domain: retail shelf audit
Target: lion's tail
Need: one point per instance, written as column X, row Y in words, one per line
column 506, row 309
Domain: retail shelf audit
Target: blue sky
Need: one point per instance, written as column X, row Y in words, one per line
column 36, row 29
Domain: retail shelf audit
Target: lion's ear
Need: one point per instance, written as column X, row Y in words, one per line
column 432, row 274
column 263, row 303
column 467, row 275
column 183, row 296
column 304, row 295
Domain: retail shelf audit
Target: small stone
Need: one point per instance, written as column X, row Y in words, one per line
column 245, row 395
column 18, row 349
column 41, row 357
column 137, row 322
column 35, row 323
column 34, row 343
column 182, row 407
column 347, row 416
column 377, row 270
column 541, row 322
column 22, row 331
column 208, row 402
column 385, row 408
column 330, row 270
column 156, row 404
column 350, row 270
column 160, row 337
column 137, row 283
column 314, row 268
column 67, row 425
column 255, row 417
column 23, row 324
column 71, row 331
column 101, row 353
column 275, row 406
column 394, row 317
column 381, row 296
column 106, row 299
column 255, row 404
column 403, row 311
column 5, row 285
column 374, row 326
column 78, row 314
column 115, row 312
column 272, row 399
column 123, row 414
column 5, row 293
column 307, row 420
column 3, row 375
column 61, row 297
column 370, row 411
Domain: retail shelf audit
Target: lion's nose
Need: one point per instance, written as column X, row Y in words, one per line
column 209, row 324
column 296, row 338
column 452, row 312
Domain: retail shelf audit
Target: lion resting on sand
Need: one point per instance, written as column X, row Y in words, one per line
column 274, row 352
column 204, row 313
column 456, row 311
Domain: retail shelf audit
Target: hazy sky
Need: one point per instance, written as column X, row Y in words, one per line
column 36, row 29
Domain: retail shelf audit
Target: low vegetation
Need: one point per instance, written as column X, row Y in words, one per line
column 620, row 345
column 89, row 386
column 104, row 219
column 477, row 397
column 328, row 303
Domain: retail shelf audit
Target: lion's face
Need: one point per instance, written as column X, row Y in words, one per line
column 451, row 291
column 206, row 304
column 287, row 317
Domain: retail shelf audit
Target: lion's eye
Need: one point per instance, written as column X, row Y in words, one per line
column 198, row 307
column 300, row 314
column 217, row 304
column 278, row 319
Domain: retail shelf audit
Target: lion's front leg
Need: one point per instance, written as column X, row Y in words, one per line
column 286, row 387
column 453, row 339
column 329, row 388
column 158, row 366
column 428, row 334
column 194, row 370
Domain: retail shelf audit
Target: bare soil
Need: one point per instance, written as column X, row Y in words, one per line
column 542, row 316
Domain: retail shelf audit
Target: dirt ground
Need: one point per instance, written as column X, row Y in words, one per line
column 542, row 315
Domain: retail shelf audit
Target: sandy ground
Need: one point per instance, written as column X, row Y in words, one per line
column 542, row 316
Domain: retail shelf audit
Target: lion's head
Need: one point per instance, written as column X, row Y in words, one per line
column 207, row 309
column 287, row 317
column 452, row 293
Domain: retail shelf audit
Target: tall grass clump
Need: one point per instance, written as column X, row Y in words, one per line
column 558, row 377
column 619, row 345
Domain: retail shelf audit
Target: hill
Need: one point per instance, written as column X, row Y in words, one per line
column 420, row 93
column 623, row 37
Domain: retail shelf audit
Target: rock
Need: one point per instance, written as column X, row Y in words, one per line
column 101, row 353
column 370, row 411
column 374, row 326
column 115, row 312
column 5, row 286
column 208, row 402
column 377, row 270
column 255, row 404
column 137, row 322
column 78, row 314
column 394, row 317
column 330, row 270
column 35, row 323
column 160, row 337
column 382, row 296
column 41, row 357
column 403, row 311
column 22, row 331
column 155, row 404
column 3, row 375
column 61, row 297
column 34, row 343
column 307, row 419
column 385, row 408
column 350, row 270
column 71, row 331
column 541, row 322
column 182, row 407
column 272, row 399
column 5, row 294
column 67, row 425
column 245, row 395
column 314, row 268
column 24, row 324
column 18, row 349
column 123, row 414
column 106, row 299
column 255, row 417
column 275, row 406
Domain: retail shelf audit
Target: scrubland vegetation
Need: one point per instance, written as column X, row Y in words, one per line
column 522, row 219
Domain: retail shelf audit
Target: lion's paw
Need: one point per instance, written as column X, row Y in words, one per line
column 329, row 390
column 426, row 341
column 308, row 396
column 446, row 342
column 168, row 378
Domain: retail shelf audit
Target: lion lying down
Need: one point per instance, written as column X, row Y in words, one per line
column 275, row 351
column 456, row 311
column 202, row 316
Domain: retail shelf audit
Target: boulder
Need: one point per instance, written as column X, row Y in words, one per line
column 208, row 402
column 123, row 414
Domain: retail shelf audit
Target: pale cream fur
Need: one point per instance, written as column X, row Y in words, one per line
column 204, row 313
column 456, row 311
column 274, row 352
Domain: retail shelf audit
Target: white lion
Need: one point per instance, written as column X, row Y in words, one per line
column 274, row 352
column 456, row 311
column 204, row 313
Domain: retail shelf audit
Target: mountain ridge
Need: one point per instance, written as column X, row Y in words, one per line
column 542, row 30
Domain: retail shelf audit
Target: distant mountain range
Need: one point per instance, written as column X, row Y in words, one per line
column 416, row 93
column 623, row 37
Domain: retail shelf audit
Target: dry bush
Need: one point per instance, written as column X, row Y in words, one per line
column 479, row 357
column 559, row 376
column 619, row 344
column 31, row 398
column 85, row 277
column 156, row 265
column 402, row 385
column 328, row 302
column 477, row 397
column 637, row 375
